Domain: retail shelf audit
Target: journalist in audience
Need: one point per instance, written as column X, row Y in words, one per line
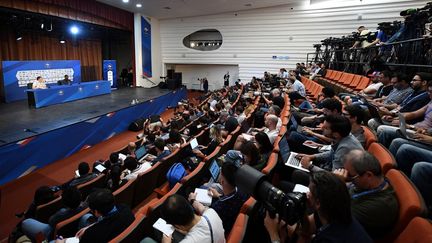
column 373, row 201
column 332, row 219
column 72, row 204
column 227, row 204
column 132, row 168
column 386, row 134
column 338, row 128
column 252, row 156
column 112, row 219
column 83, row 175
column 195, row 227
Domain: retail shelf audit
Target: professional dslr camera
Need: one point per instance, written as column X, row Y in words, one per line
column 290, row 206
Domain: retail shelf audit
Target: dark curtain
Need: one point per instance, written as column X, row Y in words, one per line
column 36, row 46
column 89, row 11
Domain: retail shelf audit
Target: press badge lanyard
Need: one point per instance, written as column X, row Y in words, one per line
column 379, row 188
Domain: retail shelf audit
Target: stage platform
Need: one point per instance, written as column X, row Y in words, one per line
column 18, row 121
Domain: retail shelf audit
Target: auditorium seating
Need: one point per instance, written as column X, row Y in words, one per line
column 69, row 227
column 146, row 183
column 133, row 233
column 44, row 211
column 419, row 230
column 125, row 194
column 239, row 229
column 369, row 135
column 386, row 159
column 227, row 144
column 409, row 228
column 271, row 164
column 340, row 81
column 88, row 187
column 411, row 203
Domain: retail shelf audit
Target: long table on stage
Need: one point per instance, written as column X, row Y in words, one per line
column 64, row 93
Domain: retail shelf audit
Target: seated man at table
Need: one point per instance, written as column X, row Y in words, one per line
column 39, row 83
column 65, row 81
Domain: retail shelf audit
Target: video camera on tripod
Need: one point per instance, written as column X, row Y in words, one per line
column 389, row 28
column 290, row 206
column 418, row 15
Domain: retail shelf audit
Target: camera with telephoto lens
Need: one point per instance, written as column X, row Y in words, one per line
column 290, row 206
column 389, row 27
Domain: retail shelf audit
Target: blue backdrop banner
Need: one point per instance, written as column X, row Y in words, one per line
column 49, row 147
column 146, row 47
column 17, row 74
column 110, row 72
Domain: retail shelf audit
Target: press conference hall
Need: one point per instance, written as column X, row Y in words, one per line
column 142, row 121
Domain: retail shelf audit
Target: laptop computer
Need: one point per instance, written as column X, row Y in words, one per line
column 214, row 171
column 194, row 143
column 289, row 157
column 373, row 111
column 407, row 133
column 141, row 153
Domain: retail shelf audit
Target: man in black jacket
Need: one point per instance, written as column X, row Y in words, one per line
column 112, row 219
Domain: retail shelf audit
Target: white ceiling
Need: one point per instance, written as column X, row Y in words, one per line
column 189, row 8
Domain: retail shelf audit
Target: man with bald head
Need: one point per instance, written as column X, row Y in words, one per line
column 271, row 130
column 373, row 200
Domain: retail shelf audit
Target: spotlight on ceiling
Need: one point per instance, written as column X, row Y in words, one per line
column 192, row 44
column 62, row 40
column 138, row 5
column 74, row 30
column 125, row 1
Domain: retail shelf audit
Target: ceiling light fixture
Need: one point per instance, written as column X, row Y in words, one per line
column 74, row 30
column 138, row 5
column 125, row 1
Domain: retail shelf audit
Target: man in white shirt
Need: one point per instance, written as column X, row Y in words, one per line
column 283, row 73
column 363, row 34
column 178, row 212
column 39, row 83
column 296, row 86
column 133, row 168
column 271, row 124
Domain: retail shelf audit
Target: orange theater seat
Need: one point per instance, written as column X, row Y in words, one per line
column 419, row 230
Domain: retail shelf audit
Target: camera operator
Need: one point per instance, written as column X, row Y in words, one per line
column 363, row 42
column 331, row 220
